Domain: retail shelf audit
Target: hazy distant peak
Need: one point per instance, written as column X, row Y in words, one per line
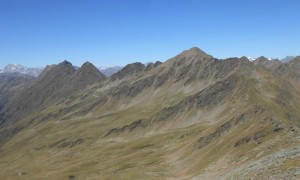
column 250, row 58
column 14, row 66
column 17, row 68
column 108, row 71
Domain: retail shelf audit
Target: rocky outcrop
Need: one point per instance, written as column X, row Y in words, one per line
column 213, row 95
column 67, row 142
column 203, row 141
column 257, row 137
column 240, row 119
column 126, row 128
column 224, row 128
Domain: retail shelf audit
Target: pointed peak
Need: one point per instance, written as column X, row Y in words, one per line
column 64, row 66
column 86, row 75
column 65, row 62
column 195, row 51
column 261, row 59
column 244, row 58
column 88, row 65
column 89, row 68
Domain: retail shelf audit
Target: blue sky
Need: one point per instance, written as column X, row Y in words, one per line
column 117, row 32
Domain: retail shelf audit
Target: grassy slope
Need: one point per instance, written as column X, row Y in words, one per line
column 162, row 150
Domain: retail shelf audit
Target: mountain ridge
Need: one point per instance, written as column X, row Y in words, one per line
column 109, row 71
column 183, row 118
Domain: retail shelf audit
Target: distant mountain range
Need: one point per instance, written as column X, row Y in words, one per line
column 17, row 68
column 286, row 59
column 107, row 71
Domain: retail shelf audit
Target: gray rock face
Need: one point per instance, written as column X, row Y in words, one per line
column 257, row 138
column 248, row 115
column 132, row 90
column 128, row 70
column 266, row 63
column 225, row 67
column 291, row 69
column 183, row 72
column 184, row 69
column 287, row 59
column 162, row 78
column 150, row 66
column 10, row 84
column 295, row 63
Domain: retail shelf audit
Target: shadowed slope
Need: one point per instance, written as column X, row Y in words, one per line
column 55, row 83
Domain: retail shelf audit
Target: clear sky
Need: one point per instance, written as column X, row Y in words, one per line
column 117, row 32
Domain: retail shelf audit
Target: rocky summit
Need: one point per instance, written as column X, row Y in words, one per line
column 192, row 117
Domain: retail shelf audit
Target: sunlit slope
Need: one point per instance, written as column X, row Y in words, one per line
column 191, row 117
